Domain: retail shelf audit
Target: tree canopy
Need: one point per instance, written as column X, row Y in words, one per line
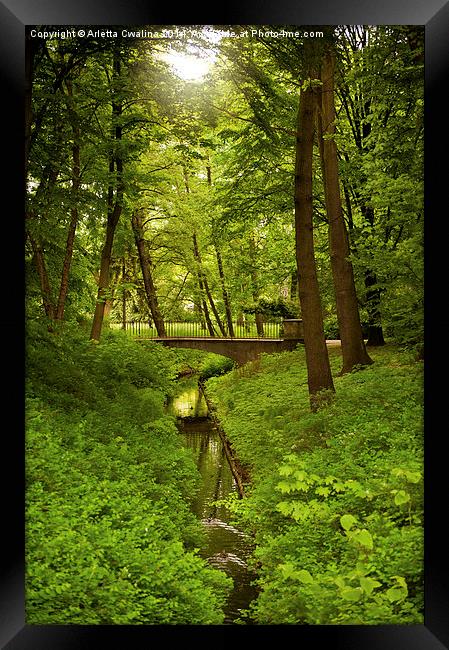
column 161, row 177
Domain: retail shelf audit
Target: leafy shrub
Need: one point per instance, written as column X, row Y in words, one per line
column 336, row 497
column 110, row 535
column 214, row 365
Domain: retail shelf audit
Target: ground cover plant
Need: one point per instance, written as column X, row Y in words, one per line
column 335, row 501
column 110, row 535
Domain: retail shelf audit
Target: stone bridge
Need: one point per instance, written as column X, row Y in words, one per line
column 240, row 350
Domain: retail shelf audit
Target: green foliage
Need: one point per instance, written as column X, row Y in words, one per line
column 110, row 535
column 279, row 307
column 217, row 160
column 214, row 365
column 336, row 496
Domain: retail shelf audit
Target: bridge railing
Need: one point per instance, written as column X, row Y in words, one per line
column 144, row 328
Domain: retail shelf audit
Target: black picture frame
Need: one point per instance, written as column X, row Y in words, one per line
column 14, row 16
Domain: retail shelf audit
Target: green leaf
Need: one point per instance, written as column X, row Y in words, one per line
column 363, row 537
column 348, row 521
column 285, row 487
column 396, row 594
column 413, row 477
column 286, row 470
column 288, row 570
column 401, row 497
column 297, row 510
column 324, row 491
column 284, row 507
column 304, row 576
column 368, row 584
column 351, row 594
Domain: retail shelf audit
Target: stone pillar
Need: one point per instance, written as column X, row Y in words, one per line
column 293, row 328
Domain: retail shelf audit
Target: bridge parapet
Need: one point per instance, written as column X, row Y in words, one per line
column 240, row 350
column 293, row 328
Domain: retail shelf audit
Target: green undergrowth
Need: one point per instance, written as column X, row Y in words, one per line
column 204, row 364
column 335, row 501
column 110, row 537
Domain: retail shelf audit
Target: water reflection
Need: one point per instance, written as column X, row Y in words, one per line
column 226, row 547
column 189, row 403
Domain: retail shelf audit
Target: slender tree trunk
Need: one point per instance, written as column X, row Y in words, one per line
column 76, row 182
column 201, row 286
column 199, row 271
column 375, row 330
column 361, row 127
column 319, row 374
column 226, row 300
column 44, row 281
column 352, row 344
column 123, row 295
column 42, row 198
column 294, row 285
column 114, row 211
column 198, row 309
column 212, row 305
column 259, row 324
column 146, row 265
column 255, row 287
column 103, row 281
column 373, row 296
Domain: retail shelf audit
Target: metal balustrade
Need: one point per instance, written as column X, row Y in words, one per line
column 195, row 329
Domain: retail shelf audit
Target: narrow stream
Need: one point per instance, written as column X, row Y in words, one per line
column 226, row 548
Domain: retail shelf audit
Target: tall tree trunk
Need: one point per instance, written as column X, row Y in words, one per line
column 146, row 265
column 123, row 294
column 44, row 281
column 202, row 280
column 294, row 285
column 212, row 304
column 76, row 183
column 319, row 374
column 255, row 286
column 114, row 209
column 105, row 264
column 224, row 292
column 226, row 300
column 361, row 127
column 352, row 344
column 204, row 306
column 375, row 330
column 42, row 199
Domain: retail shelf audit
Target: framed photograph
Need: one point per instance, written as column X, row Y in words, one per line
column 225, row 187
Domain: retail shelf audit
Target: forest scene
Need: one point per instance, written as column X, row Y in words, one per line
column 224, row 274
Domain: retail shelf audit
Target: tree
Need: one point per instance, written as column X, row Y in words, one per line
column 226, row 301
column 56, row 67
column 318, row 367
column 146, row 266
column 381, row 93
column 352, row 343
column 74, row 213
column 115, row 197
